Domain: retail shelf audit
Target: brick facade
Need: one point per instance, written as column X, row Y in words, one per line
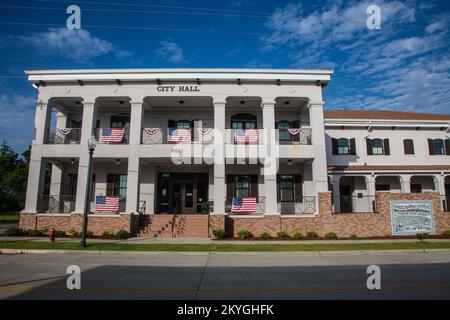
column 168, row 225
column 63, row 222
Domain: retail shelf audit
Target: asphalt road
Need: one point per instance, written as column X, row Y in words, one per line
column 290, row 275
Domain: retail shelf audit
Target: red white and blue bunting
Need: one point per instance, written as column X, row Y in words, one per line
column 64, row 131
column 205, row 131
column 294, row 132
column 152, row 131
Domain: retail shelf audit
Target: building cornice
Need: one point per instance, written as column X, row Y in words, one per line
column 373, row 123
column 179, row 75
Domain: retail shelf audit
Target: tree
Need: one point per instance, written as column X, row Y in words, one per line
column 13, row 178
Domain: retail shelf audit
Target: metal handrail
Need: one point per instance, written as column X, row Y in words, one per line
column 355, row 204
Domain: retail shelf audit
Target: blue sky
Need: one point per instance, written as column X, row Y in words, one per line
column 405, row 65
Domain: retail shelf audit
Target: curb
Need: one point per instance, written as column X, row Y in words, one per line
column 205, row 253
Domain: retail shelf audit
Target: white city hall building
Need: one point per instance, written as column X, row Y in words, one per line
column 176, row 147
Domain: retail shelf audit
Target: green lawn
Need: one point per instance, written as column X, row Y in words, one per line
column 225, row 247
column 9, row 218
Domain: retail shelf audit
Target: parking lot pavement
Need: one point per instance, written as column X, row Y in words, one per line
column 292, row 275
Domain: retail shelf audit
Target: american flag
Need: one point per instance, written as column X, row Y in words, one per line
column 112, row 135
column 245, row 205
column 246, row 135
column 106, row 203
column 179, row 135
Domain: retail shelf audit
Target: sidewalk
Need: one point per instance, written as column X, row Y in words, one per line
column 209, row 241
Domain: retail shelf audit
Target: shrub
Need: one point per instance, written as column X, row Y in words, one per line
column 89, row 234
column 297, row 235
column 331, row 236
column 122, row 234
column 422, row 236
column 73, row 233
column 60, row 234
column 312, row 234
column 218, row 234
column 108, row 234
column 45, row 229
column 446, row 233
column 14, row 232
column 244, row 234
column 282, row 234
column 354, row 237
column 265, row 235
column 34, row 232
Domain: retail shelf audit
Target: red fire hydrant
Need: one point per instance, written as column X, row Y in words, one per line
column 52, row 235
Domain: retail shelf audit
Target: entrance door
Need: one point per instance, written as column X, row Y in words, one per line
column 182, row 197
column 346, row 198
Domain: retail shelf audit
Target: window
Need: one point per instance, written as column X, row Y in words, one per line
column 183, row 124
column 283, row 133
column 117, row 185
column 343, row 146
column 377, row 147
column 241, row 187
column 382, row 187
column 243, row 121
column 286, row 187
column 416, row 188
column 438, row 147
column 408, row 146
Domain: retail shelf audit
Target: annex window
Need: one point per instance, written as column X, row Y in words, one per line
column 242, row 186
column 344, row 146
column 408, row 146
column 378, row 147
column 438, row 147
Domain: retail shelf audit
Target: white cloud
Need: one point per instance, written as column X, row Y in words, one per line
column 77, row 45
column 171, row 52
column 403, row 66
column 16, row 122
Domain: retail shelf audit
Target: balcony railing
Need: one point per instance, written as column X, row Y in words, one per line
column 174, row 135
column 64, row 136
column 307, row 205
column 354, row 204
column 112, row 135
column 260, row 207
column 294, row 136
column 301, row 136
column 56, row 204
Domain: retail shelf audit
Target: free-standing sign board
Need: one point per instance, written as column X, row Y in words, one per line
column 410, row 217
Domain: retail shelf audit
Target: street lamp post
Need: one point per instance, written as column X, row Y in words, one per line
column 91, row 145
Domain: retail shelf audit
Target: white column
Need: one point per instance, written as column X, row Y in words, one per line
column 41, row 122
column 318, row 142
column 336, row 192
column 133, row 158
column 440, row 184
column 147, row 188
column 219, row 190
column 405, row 181
column 35, row 183
column 56, row 180
column 370, row 185
column 88, row 123
column 270, row 167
